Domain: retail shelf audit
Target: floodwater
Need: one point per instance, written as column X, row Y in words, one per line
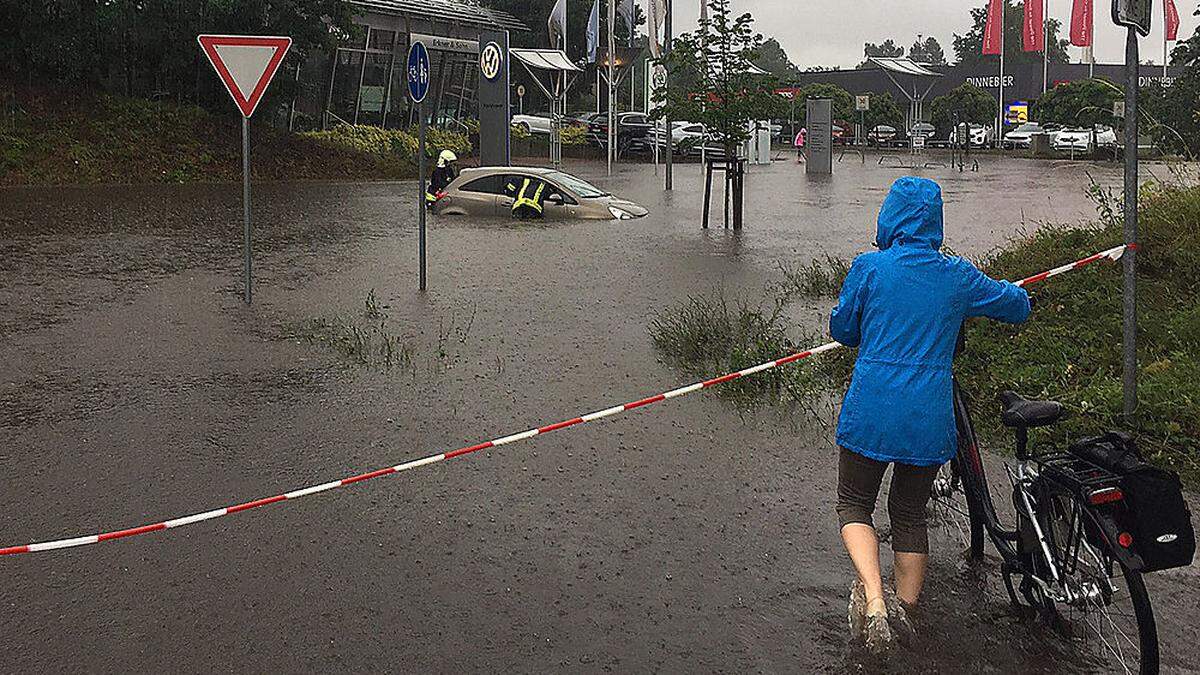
column 685, row 537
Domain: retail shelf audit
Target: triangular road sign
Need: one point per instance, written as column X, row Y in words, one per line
column 245, row 63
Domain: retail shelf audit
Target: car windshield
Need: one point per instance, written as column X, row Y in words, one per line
column 577, row 185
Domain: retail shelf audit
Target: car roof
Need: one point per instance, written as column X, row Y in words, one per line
column 482, row 171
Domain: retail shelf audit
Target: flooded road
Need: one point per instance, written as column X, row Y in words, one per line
column 137, row 387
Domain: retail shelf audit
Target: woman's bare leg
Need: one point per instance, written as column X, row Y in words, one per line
column 910, row 576
column 863, row 546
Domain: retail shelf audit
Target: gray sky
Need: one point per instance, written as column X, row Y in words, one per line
column 832, row 32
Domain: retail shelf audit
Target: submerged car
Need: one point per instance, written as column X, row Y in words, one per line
column 484, row 192
column 1073, row 140
column 1022, row 136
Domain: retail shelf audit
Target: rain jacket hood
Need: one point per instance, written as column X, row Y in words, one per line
column 911, row 214
column 903, row 306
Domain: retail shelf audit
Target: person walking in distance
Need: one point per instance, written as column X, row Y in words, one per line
column 903, row 307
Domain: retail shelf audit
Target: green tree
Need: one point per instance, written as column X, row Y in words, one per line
column 1081, row 103
column 773, row 59
column 1187, row 52
column 884, row 111
column 928, row 51
column 843, row 102
column 713, row 78
column 969, row 46
column 964, row 103
column 887, row 48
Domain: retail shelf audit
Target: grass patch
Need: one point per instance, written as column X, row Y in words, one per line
column 1069, row 351
column 707, row 336
column 363, row 339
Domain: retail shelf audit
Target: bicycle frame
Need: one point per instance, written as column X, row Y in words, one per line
column 1033, row 491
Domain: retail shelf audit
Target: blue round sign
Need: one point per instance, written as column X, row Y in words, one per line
column 418, row 72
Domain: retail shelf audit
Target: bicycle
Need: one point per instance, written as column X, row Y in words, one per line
column 1068, row 556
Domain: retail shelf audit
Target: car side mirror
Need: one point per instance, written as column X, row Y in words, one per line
column 555, row 199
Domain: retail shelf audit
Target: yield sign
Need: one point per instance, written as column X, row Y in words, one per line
column 246, row 64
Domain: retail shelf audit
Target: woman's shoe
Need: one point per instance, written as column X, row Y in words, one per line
column 877, row 631
column 856, row 612
column 898, row 616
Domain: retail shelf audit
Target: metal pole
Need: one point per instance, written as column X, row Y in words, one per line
column 246, row 206
column 612, row 117
column 1045, row 44
column 1129, row 333
column 421, row 196
column 670, row 178
column 1000, row 111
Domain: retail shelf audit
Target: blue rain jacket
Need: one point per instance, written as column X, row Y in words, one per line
column 903, row 307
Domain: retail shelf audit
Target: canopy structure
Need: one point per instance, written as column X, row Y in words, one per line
column 900, row 67
column 545, row 59
column 559, row 67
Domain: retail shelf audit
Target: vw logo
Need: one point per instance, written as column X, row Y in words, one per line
column 490, row 60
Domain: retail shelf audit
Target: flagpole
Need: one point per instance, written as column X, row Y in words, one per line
column 668, row 184
column 612, row 118
column 1045, row 44
column 1000, row 111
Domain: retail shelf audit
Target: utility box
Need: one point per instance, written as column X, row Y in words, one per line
column 758, row 147
column 819, row 144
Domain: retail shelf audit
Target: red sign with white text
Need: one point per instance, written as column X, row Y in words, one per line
column 1082, row 22
column 245, row 64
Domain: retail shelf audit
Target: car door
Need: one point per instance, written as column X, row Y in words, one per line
column 479, row 197
column 560, row 204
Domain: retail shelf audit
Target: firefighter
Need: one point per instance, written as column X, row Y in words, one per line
column 443, row 175
column 528, row 196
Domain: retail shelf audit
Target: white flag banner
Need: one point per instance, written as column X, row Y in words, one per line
column 656, row 19
column 557, row 23
column 628, row 11
column 593, row 32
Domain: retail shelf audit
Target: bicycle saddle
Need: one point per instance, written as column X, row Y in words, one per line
column 1020, row 412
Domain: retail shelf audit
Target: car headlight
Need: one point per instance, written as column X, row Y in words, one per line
column 620, row 214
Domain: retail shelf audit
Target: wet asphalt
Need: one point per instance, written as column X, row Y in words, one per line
column 135, row 386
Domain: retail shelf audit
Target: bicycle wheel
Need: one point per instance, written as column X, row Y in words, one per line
column 954, row 511
column 1108, row 612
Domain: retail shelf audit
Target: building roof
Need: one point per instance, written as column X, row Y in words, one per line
column 903, row 66
column 466, row 12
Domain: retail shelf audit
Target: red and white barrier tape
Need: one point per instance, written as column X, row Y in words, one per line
column 1111, row 254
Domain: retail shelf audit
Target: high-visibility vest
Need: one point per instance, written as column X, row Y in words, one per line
column 534, row 202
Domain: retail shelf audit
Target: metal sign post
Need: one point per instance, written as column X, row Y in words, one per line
column 245, row 64
column 862, row 103
column 418, row 88
column 1134, row 15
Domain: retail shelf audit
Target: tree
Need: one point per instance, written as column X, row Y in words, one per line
column 1078, row 104
column 773, row 59
column 888, row 48
column 883, row 111
column 1187, row 52
column 928, row 51
column 144, row 48
column 969, row 47
column 712, row 78
column 965, row 103
column 843, row 102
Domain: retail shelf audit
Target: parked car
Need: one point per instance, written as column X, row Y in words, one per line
column 585, row 119
column 1022, row 136
column 687, row 138
column 924, row 130
column 881, row 135
column 1073, row 140
column 843, row 132
column 1106, row 136
column 537, row 123
column 633, row 131
column 981, row 136
column 483, row 192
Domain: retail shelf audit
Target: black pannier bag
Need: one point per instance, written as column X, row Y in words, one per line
column 1157, row 514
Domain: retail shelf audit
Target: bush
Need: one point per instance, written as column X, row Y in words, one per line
column 574, row 135
column 392, row 143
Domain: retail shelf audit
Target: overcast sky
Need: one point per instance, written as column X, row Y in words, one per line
column 832, row 32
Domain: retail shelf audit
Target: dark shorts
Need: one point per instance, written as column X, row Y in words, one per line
column 859, row 479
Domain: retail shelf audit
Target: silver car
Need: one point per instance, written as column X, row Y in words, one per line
column 485, row 192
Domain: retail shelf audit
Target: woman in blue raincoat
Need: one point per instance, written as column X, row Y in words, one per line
column 903, row 307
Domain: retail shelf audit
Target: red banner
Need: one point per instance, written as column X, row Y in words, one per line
column 1172, row 23
column 1081, row 23
column 993, row 32
column 1035, row 37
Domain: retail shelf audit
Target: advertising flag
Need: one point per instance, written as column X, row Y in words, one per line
column 628, row 10
column 557, row 23
column 1082, row 20
column 1172, row 23
column 1035, row 37
column 658, row 11
column 993, row 31
column 593, row 32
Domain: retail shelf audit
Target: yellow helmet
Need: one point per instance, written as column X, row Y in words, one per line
column 446, row 157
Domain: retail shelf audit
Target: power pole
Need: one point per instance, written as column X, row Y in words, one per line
column 1129, row 330
column 670, row 132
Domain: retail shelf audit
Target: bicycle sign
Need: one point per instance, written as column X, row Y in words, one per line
column 418, row 71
